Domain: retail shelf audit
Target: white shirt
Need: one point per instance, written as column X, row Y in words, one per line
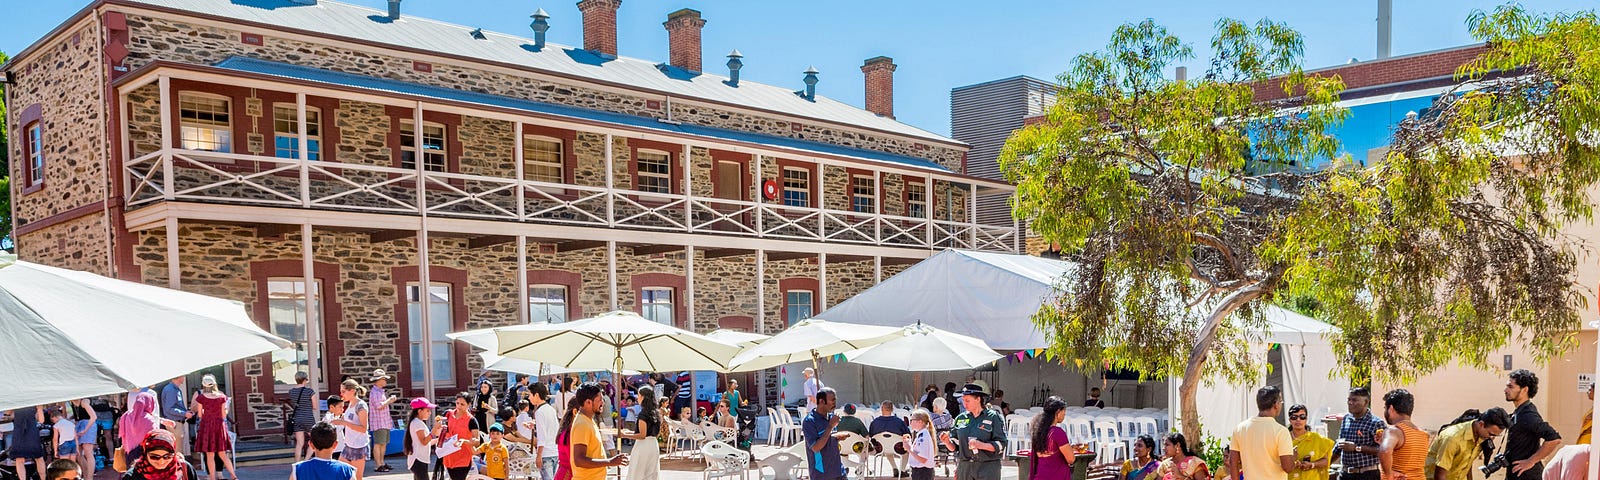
column 545, row 428
column 352, row 438
column 419, row 452
column 922, row 444
column 328, row 417
column 523, row 429
column 68, row 431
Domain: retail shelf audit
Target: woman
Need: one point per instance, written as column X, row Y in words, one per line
column 420, row 438
column 160, row 460
column 726, row 419
column 88, row 431
column 1312, row 451
column 212, row 441
column 564, row 443
column 928, row 395
column 1144, row 461
column 27, row 445
column 942, row 420
column 462, row 428
column 484, row 404
column 1181, row 464
column 1054, row 460
column 645, row 460
column 563, row 396
column 137, row 422
column 357, row 445
column 303, row 415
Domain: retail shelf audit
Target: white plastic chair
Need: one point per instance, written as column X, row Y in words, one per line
column 1018, row 434
column 774, row 424
column 1111, row 447
column 1079, row 429
column 723, row 460
column 853, row 445
column 886, row 443
column 784, row 465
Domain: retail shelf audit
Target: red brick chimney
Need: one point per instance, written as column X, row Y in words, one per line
column 879, row 72
column 683, row 39
column 600, row 25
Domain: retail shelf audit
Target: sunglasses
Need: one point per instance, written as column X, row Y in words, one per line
column 154, row 456
column 1297, row 417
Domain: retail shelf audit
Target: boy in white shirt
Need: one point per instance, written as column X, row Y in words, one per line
column 335, row 412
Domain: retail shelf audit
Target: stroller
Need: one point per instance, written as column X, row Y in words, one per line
column 747, row 425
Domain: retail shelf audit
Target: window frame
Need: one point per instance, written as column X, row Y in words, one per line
column 797, row 284
column 671, row 303
column 313, row 140
column 314, row 352
column 872, row 196
column 911, row 201
column 566, row 302
column 807, row 189
column 560, row 163
column 184, row 124
column 674, row 166
column 459, row 312
column 411, row 361
column 33, row 154
column 639, row 174
column 444, row 145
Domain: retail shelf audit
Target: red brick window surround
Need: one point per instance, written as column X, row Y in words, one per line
column 799, row 298
column 440, row 134
column 276, row 284
column 647, row 162
column 658, row 293
column 916, row 197
column 549, row 154
column 448, row 284
column 866, row 193
column 33, row 148
column 553, row 296
column 741, row 163
column 797, row 183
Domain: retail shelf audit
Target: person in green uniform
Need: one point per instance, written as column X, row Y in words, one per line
column 979, row 437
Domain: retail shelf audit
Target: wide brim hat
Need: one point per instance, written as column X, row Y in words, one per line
column 379, row 374
column 972, row 389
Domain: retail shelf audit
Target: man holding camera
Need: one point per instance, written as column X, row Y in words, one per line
column 1530, row 440
column 1452, row 454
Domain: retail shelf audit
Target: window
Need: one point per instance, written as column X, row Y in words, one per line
column 203, row 122
column 655, row 304
column 798, row 305
column 796, row 187
column 33, row 150
column 863, row 194
column 542, row 159
column 547, row 304
column 433, row 146
column 916, row 200
column 655, row 171
column 286, row 132
column 439, row 311
column 286, row 318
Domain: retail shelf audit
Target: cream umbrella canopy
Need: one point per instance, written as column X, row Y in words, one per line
column 66, row 334
column 742, row 339
column 810, row 340
column 529, row 367
column 922, row 348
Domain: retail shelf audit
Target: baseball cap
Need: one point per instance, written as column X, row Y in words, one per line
column 421, row 402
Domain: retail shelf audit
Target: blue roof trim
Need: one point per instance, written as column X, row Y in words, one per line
column 265, row 67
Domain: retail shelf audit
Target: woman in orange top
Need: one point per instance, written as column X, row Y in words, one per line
column 1403, row 450
column 462, row 428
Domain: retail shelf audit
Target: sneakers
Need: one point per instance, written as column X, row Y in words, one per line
column 383, row 468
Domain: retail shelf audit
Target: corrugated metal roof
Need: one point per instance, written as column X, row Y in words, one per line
column 264, row 67
column 354, row 21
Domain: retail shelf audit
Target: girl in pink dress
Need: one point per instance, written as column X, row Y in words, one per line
column 212, row 440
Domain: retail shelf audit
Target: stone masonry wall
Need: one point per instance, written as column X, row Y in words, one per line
column 78, row 244
column 166, row 39
column 62, row 79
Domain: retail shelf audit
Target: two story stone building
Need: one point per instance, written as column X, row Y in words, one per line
column 417, row 177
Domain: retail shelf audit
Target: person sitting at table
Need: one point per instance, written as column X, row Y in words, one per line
column 887, row 422
column 849, row 423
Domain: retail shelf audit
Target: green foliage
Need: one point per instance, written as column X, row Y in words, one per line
column 1214, row 451
column 5, row 168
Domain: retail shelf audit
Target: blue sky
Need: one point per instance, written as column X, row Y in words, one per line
column 938, row 45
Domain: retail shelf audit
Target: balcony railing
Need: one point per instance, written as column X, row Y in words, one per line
column 235, row 179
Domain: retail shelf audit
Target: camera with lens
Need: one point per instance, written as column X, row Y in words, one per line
column 1494, row 465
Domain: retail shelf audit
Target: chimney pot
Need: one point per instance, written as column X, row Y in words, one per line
column 879, row 73
column 683, row 39
column 734, row 64
column 540, row 25
column 600, row 25
column 811, row 83
column 1182, row 74
column 394, row 10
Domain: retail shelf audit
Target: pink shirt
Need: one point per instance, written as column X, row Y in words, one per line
column 378, row 417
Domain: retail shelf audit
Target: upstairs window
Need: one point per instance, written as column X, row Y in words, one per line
column 655, row 171
column 796, row 187
column 33, row 151
column 916, row 200
column 863, row 194
column 286, row 132
column 205, row 122
column 433, row 146
column 542, row 159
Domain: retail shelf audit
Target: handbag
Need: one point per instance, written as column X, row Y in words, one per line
column 119, row 461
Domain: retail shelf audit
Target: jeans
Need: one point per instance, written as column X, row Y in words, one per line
column 548, row 471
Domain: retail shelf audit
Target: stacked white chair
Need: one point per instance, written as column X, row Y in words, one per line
column 773, row 425
column 1110, row 446
column 1019, row 434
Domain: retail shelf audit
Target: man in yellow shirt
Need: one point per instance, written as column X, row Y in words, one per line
column 1452, row 454
column 589, row 460
column 1262, row 448
column 1588, row 421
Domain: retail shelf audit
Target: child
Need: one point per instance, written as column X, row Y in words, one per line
column 921, row 445
column 321, row 466
column 495, row 454
column 63, row 469
column 335, row 412
column 65, row 433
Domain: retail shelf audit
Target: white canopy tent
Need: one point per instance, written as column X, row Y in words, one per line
column 993, row 296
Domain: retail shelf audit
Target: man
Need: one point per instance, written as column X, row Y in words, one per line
column 1530, row 440
column 999, row 402
column 1094, row 399
column 1358, row 438
column 822, row 441
column 175, row 409
column 980, row 437
column 545, row 426
column 1452, row 454
column 812, row 386
column 1404, row 449
column 888, row 423
column 1587, row 431
column 850, row 423
column 379, row 420
column 588, row 451
column 518, row 391
column 1262, row 448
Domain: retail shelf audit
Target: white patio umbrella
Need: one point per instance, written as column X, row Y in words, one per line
column 736, row 337
column 922, row 348
column 810, row 340
column 66, row 334
column 530, row 367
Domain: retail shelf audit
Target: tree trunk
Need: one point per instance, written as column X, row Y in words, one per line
column 1190, row 411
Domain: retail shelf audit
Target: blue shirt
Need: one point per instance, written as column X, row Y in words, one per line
column 323, row 469
column 826, row 464
column 889, row 423
column 172, row 405
column 1361, row 431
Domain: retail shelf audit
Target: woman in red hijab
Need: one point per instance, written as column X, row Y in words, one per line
column 160, row 460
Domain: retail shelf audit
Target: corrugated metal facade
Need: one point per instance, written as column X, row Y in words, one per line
column 984, row 115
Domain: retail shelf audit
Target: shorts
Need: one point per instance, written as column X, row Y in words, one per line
column 922, row 473
column 353, row 454
column 90, row 430
column 67, row 449
column 380, row 437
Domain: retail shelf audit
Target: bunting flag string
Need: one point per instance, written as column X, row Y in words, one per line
column 783, row 382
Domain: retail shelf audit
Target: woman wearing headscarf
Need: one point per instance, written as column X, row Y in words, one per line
column 138, row 422
column 484, row 404
column 159, row 460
